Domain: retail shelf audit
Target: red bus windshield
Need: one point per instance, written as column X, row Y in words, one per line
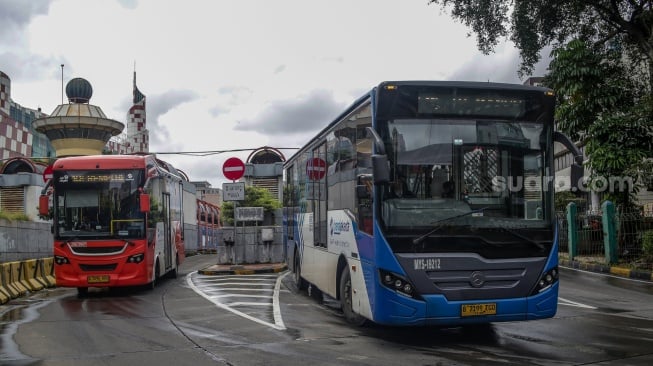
column 98, row 204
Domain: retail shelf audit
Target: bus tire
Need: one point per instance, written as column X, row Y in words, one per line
column 173, row 272
column 300, row 283
column 82, row 291
column 157, row 273
column 346, row 300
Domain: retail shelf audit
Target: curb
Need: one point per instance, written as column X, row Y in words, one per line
column 218, row 270
column 613, row 270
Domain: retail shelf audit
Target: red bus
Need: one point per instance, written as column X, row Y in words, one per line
column 117, row 220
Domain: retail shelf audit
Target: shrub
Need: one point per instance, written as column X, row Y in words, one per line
column 647, row 243
column 14, row 216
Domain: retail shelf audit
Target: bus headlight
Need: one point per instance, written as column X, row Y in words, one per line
column 397, row 283
column 136, row 258
column 61, row 260
column 546, row 281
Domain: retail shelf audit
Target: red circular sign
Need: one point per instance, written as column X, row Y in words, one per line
column 233, row 168
column 47, row 173
column 316, row 169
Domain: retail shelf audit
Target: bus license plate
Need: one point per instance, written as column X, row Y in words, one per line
column 98, row 279
column 479, row 309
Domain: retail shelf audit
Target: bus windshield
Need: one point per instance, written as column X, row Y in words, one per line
column 442, row 169
column 98, row 204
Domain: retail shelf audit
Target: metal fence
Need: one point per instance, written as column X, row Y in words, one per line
column 631, row 241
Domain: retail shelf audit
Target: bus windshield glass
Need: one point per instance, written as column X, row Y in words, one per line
column 468, row 160
column 98, row 204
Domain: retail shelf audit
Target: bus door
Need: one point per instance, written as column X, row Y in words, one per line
column 167, row 229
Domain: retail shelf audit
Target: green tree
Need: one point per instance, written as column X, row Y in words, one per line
column 588, row 83
column 599, row 104
column 533, row 25
column 254, row 197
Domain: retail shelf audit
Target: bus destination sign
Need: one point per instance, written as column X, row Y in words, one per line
column 97, row 178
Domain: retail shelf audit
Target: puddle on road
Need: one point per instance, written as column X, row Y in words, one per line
column 12, row 315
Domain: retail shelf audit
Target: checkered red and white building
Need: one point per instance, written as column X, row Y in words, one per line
column 16, row 139
column 136, row 139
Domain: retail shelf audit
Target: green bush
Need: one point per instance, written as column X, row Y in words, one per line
column 647, row 243
column 14, row 216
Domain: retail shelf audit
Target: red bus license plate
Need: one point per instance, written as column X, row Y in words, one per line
column 479, row 309
column 98, row 279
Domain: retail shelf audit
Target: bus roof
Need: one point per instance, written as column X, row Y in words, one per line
column 439, row 83
column 101, row 162
column 466, row 84
column 136, row 161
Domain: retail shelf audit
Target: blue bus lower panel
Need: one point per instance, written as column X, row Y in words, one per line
column 395, row 309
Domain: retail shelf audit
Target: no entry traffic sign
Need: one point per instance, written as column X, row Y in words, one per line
column 233, row 168
column 47, row 173
column 315, row 169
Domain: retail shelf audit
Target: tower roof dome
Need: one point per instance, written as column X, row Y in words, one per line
column 79, row 90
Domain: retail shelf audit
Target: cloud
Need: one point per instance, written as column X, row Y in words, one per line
column 30, row 67
column 16, row 15
column 157, row 106
column 501, row 66
column 128, row 4
column 304, row 114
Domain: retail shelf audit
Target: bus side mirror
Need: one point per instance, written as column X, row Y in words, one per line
column 144, row 202
column 577, row 169
column 380, row 169
column 576, row 176
column 44, row 205
column 362, row 192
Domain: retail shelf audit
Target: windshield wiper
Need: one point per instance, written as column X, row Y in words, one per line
column 522, row 237
column 438, row 224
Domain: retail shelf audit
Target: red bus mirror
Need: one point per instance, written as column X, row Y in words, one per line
column 44, row 205
column 145, row 202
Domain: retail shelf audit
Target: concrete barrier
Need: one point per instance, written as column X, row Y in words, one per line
column 4, row 297
column 17, row 278
column 5, row 294
column 5, row 277
column 46, row 271
column 29, row 272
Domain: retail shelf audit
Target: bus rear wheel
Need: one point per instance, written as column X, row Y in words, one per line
column 346, row 300
column 157, row 274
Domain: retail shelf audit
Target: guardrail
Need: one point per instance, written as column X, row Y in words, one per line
column 19, row 278
column 611, row 236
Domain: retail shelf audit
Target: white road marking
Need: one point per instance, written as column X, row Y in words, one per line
column 215, row 299
column 563, row 301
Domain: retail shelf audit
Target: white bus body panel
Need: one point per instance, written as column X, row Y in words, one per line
column 319, row 265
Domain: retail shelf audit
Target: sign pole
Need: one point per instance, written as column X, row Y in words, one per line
column 235, row 230
column 233, row 169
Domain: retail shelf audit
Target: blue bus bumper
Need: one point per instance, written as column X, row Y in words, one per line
column 395, row 309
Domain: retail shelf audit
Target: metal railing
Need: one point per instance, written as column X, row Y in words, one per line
column 609, row 236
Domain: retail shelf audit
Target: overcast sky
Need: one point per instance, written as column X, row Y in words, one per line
column 234, row 74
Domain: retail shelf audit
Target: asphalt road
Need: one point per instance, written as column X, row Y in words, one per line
column 262, row 320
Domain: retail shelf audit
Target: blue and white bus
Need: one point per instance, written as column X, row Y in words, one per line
column 430, row 203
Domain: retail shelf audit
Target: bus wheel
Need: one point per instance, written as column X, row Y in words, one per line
column 346, row 300
column 157, row 273
column 173, row 272
column 82, row 291
column 297, row 274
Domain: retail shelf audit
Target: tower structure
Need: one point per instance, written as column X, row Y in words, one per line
column 78, row 127
column 137, row 133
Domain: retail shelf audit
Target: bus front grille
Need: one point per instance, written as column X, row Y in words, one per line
column 109, row 250
column 98, row 267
